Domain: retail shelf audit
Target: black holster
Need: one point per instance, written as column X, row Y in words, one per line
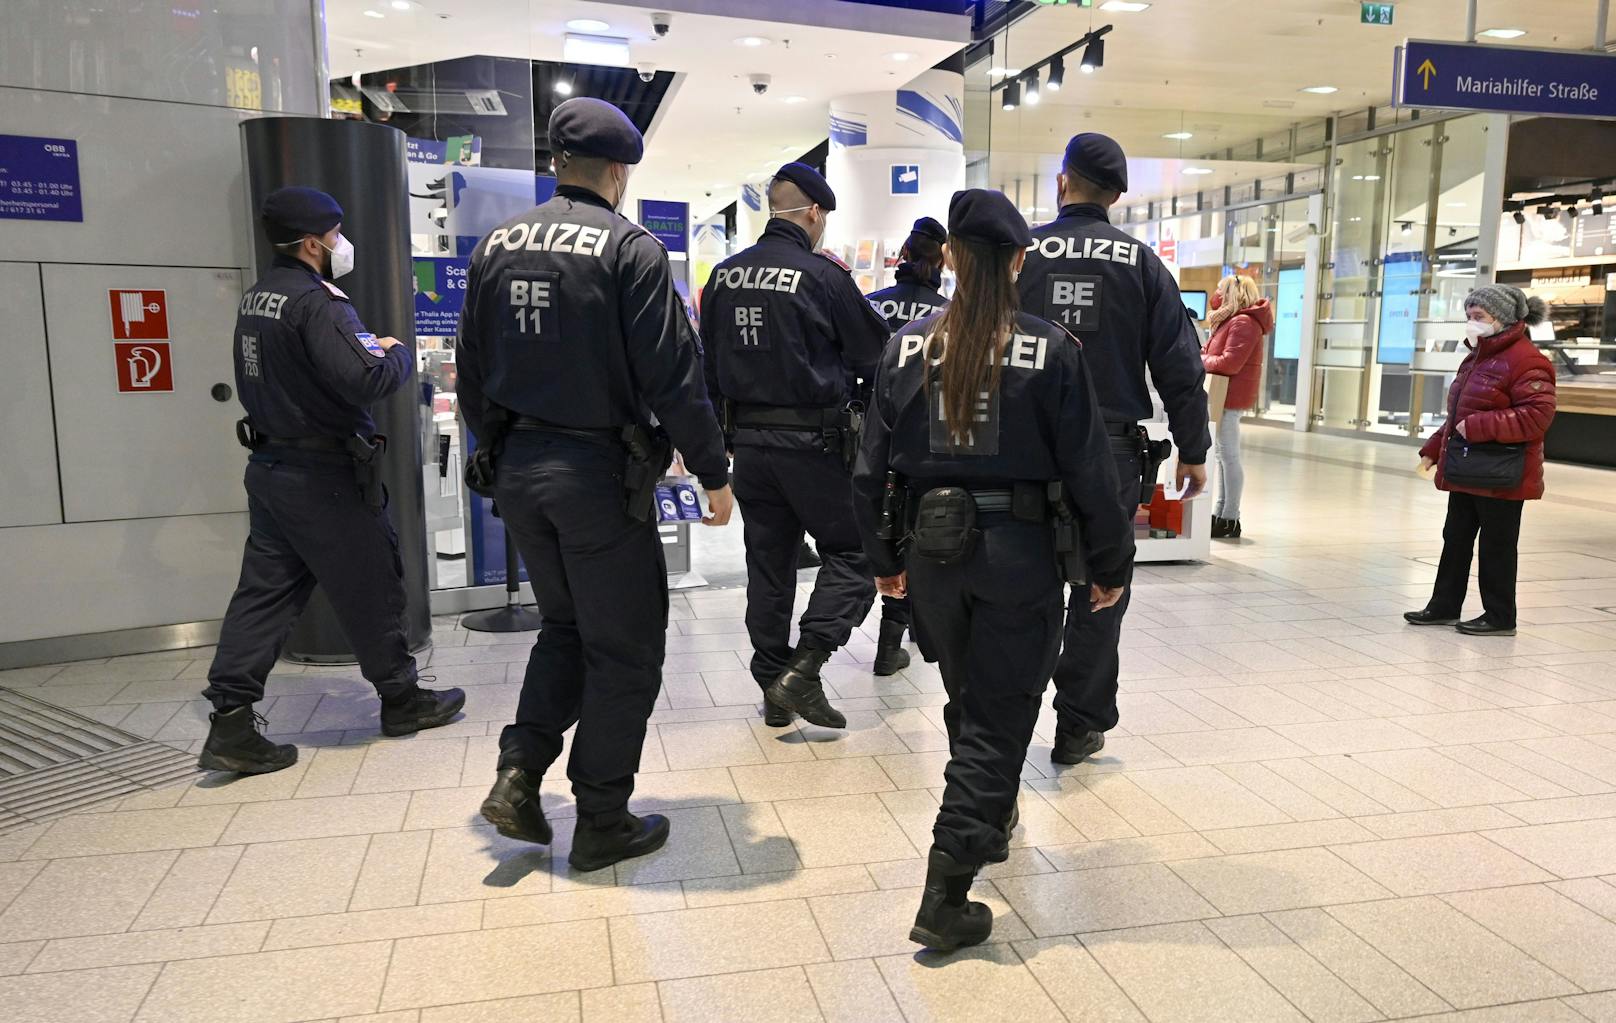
column 1071, row 557
column 1152, row 453
column 849, row 432
column 650, row 452
column 247, row 435
column 480, row 466
column 367, row 465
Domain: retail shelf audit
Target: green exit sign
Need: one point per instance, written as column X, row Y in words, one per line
column 1375, row 14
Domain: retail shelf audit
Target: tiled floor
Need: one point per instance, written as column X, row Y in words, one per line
column 1311, row 812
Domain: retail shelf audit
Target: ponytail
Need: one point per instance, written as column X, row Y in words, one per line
column 974, row 330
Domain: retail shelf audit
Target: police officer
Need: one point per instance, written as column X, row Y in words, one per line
column 1114, row 294
column 787, row 338
column 976, row 411
column 571, row 340
column 307, row 372
column 913, row 297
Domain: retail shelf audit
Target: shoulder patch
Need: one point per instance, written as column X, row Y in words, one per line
column 831, row 257
column 371, row 345
column 335, row 291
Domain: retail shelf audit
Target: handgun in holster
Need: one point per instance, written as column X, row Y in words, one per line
column 479, row 473
column 1071, row 558
column 247, row 435
column 893, row 527
column 367, row 463
column 1152, row 453
column 650, row 452
column 843, row 438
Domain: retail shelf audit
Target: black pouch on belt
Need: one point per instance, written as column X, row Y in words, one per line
column 367, row 463
column 945, row 525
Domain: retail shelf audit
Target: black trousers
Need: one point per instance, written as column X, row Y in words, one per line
column 308, row 525
column 1086, row 677
column 994, row 622
column 1498, row 521
column 897, row 609
column 783, row 492
column 602, row 586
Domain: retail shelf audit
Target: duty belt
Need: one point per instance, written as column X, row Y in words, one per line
column 609, row 435
column 1033, row 507
column 337, row 444
column 1114, row 428
column 781, row 417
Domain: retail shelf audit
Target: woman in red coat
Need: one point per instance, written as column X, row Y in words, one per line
column 1504, row 393
column 1239, row 321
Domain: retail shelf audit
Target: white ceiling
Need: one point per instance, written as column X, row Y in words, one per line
column 711, row 132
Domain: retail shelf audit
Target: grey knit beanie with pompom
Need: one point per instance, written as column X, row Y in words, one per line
column 1508, row 305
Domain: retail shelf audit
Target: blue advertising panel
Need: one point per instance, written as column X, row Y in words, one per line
column 667, row 222
column 1508, row 79
column 1288, row 315
column 39, row 179
column 1399, row 305
column 440, row 291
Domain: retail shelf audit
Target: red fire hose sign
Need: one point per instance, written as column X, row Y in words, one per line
column 144, row 367
column 139, row 315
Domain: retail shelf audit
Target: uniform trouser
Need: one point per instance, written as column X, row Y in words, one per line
column 994, row 622
column 602, row 587
column 1498, row 521
column 782, row 492
column 897, row 609
column 308, row 525
column 1086, row 677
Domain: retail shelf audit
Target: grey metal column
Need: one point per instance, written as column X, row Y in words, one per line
column 363, row 166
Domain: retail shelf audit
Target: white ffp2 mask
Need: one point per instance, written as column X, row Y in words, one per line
column 342, row 257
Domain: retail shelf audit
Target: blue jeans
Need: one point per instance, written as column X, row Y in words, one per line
column 1231, row 474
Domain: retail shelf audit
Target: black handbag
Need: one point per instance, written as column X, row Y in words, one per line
column 1483, row 465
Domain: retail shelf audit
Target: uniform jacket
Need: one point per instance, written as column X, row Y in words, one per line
column 1235, row 350
column 913, row 297
column 1042, row 425
column 1504, row 392
column 305, row 365
column 783, row 326
column 1112, row 292
column 571, row 317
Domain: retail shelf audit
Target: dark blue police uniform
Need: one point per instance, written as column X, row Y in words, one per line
column 1113, row 293
column 787, row 338
column 572, row 332
column 993, row 617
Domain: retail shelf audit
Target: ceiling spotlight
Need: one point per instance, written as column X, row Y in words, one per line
column 401, row 5
column 576, row 24
column 563, row 87
column 1502, row 33
column 1197, row 171
column 794, row 99
column 374, row 14
column 1597, row 197
column 751, row 42
column 1321, row 90
column 1032, row 89
column 1057, row 75
column 1550, row 212
column 901, row 56
column 1012, row 96
column 1179, row 136
column 1520, row 217
column 1408, row 228
column 1094, row 56
column 1124, row 6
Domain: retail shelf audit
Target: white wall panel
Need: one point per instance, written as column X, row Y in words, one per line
column 144, row 455
column 28, row 492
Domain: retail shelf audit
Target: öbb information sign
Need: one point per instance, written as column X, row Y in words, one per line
column 1506, row 79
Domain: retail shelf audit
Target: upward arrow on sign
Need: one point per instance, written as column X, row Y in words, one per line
column 1425, row 71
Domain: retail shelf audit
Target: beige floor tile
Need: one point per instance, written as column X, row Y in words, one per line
column 273, row 987
column 852, row 991
column 1090, row 815
column 986, row 984
column 697, row 744
column 561, row 1007
column 1103, row 899
column 1572, row 849
column 215, row 787
column 766, row 996
column 1269, row 837
column 415, row 763
column 557, row 907
column 93, row 834
column 468, row 864
column 15, row 956
column 498, row 964
column 1133, row 804
column 1597, row 894
column 1461, row 727
column 758, row 838
column 698, row 846
column 791, row 884
column 85, row 895
column 866, row 735
column 391, row 872
column 1269, row 881
column 768, row 782
column 149, row 947
column 456, row 807
column 912, row 873
column 833, row 831
column 299, row 878
column 1326, row 788
column 1568, row 808
column 868, row 924
column 1283, row 795
column 1451, row 954
column 627, row 1003
column 1363, row 736
column 1570, row 939
column 1600, row 1008
column 1079, row 987
column 1391, row 794
column 1306, row 984
column 373, row 925
column 14, row 877
column 1183, row 972
column 190, row 888
column 1373, row 976
column 1123, row 851
column 1440, row 863
column 1227, row 746
column 1442, row 780
column 1205, row 797
column 1436, row 822
column 322, row 817
column 94, row 996
column 331, row 771
column 720, row 939
column 675, row 790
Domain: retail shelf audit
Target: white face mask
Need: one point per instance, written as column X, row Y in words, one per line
column 342, row 257
column 1477, row 330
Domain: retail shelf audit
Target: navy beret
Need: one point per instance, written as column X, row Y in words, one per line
column 926, row 227
column 812, row 184
column 586, row 126
column 1098, row 158
column 988, row 217
column 292, row 212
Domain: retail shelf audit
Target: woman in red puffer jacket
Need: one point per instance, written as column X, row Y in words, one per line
column 1240, row 319
column 1504, row 393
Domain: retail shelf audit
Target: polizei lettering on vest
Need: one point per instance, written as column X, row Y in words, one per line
column 558, row 237
column 760, row 278
column 1025, row 351
column 892, row 309
column 1072, row 247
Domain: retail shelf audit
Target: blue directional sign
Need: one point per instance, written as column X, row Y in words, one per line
column 1506, row 79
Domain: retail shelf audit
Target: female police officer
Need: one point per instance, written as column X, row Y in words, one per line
column 913, row 297
column 977, row 411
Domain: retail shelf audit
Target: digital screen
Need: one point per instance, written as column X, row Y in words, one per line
column 1195, row 302
column 1288, row 315
column 1399, row 305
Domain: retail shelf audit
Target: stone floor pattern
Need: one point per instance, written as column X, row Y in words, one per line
column 1310, row 812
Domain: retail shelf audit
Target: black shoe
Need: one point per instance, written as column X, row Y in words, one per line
column 775, row 717
column 513, row 808
column 799, row 690
column 1076, row 747
column 947, row 919
column 1220, row 528
column 1426, row 616
column 807, row 557
column 890, row 656
column 600, row 843
column 424, row 708
column 1001, row 851
column 1484, row 626
column 235, row 745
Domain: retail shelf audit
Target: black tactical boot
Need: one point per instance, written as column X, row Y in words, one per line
column 424, row 708
column 602, row 841
column 513, row 808
column 235, row 744
column 1075, row 747
column 775, row 717
column 947, row 919
column 807, row 557
column 1001, row 851
column 890, row 656
column 799, row 691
